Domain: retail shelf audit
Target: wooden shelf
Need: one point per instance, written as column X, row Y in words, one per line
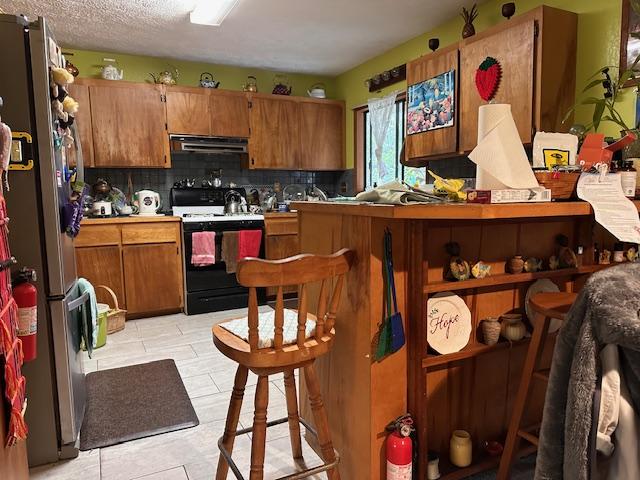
column 508, row 278
column 433, row 360
column 480, row 463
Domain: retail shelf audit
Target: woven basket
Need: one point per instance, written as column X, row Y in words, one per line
column 490, row 331
column 116, row 316
column 561, row 184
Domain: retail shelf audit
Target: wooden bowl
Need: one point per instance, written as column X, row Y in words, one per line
column 561, row 184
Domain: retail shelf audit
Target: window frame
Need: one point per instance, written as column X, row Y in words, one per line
column 360, row 138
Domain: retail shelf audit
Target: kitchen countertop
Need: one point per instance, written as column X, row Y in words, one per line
column 132, row 219
column 452, row 211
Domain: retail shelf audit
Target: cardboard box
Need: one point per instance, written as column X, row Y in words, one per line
column 532, row 195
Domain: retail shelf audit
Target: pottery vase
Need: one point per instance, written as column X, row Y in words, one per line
column 468, row 30
column 460, row 448
column 515, row 264
column 512, row 327
column 491, row 331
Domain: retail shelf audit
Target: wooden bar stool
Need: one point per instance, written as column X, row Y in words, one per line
column 281, row 341
column 546, row 307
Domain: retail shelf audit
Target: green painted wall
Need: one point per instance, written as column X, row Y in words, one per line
column 137, row 68
column 598, row 45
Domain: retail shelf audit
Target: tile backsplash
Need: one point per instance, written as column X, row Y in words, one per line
column 199, row 166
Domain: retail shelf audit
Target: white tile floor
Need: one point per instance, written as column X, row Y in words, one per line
column 208, row 377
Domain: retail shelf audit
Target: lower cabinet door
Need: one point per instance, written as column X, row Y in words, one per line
column 153, row 277
column 102, row 266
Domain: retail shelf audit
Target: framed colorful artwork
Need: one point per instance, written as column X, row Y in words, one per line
column 431, row 104
column 630, row 37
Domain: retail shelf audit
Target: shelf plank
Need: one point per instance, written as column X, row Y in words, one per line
column 433, row 360
column 508, row 278
column 480, row 464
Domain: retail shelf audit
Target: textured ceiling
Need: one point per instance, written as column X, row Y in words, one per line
column 322, row 36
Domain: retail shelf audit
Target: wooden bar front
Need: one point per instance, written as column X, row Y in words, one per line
column 472, row 389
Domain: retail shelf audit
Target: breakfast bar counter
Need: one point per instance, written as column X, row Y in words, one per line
column 472, row 389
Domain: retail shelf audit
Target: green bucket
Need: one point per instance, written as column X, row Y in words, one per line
column 103, row 310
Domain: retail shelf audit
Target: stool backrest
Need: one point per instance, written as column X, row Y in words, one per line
column 300, row 270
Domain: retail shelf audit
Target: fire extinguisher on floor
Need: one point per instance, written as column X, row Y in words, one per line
column 26, row 297
column 400, row 449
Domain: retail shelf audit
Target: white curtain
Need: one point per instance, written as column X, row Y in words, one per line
column 380, row 110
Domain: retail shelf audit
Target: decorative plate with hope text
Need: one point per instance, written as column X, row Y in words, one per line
column 448, row 323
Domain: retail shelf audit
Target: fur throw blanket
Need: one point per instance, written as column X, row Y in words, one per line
column 607, row 311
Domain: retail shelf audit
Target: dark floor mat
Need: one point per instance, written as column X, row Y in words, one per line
column 133, row 402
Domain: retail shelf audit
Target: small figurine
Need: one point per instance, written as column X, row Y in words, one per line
column 605, row 257
column 458, row 268
column 632, row 254
column 554, row 263
column 532, row 265
column 480, row 270
column 565, row 256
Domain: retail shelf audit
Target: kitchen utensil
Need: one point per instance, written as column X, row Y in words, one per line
column 281, row 85
column 148, row 202
column 448, row 323
column 251, row 85
column 166, row 77
column 542, row 285
column 317, row 90
column 110, row 72
column 217, row 177
column 233, row 203
column 268, row 202
column 126, row 211
column 102, row 209
column 294, row 193
column 207, row 81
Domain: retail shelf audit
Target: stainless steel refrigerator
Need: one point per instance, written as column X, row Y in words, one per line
column 55, row 380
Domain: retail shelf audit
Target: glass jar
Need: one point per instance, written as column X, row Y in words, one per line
column 460, row 448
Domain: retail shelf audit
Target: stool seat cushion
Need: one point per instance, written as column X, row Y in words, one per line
column 266, row 328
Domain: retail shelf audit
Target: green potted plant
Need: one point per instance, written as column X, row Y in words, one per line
column 605, row 106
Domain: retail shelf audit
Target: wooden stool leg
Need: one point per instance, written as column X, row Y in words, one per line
column 321, row 421
column 232, row 419
column 259, row 436
column 292, row 413
column 533, row 356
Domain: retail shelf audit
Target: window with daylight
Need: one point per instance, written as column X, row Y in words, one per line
column 372, row 175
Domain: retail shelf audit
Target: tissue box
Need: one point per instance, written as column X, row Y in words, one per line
column 532, row 195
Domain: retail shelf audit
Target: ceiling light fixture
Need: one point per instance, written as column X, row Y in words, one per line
column 212, row 12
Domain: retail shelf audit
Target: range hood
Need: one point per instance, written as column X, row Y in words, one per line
column 198, row 144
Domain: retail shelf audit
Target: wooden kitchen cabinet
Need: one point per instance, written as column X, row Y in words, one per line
column 275, row 133
column 102, row 266
column 188, row 111
column 281, row 241
column 513, row 47
column 321, row 135
column 153, row 277
column 229, row 113
column 139, row 259
column 537, row 53
column 201, row 111
column 441, row 141
column 129, row 124
column 84, row 128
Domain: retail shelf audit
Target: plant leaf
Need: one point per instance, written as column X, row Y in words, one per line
column 597, row 114
column 591, row 101
column 568, row 114
column 626, row 75
column 592, row 84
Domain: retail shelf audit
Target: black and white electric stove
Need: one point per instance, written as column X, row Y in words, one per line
column 211, row 288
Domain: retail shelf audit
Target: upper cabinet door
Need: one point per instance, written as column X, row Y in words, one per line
column 321, row 135
column 422, row 75
column 187, row 111
column 84, row 129
column 129, row 125
column 275, row 133
column 514, row 48
column 229, row 113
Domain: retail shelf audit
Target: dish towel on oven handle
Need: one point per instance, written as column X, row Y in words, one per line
column 249, row 242
column 203, row 249
column 229, row 251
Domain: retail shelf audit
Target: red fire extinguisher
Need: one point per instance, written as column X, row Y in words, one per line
column 26, row 297
column 400, row 449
